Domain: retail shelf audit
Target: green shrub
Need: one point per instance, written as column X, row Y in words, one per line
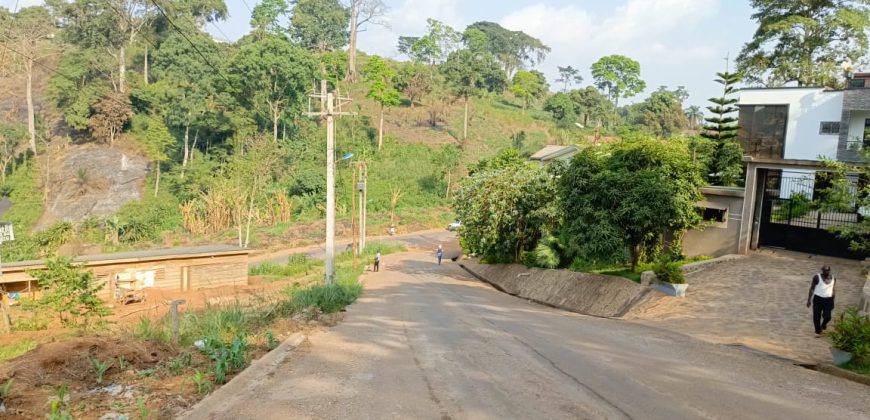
column 297, row 265
column 11, row 351
column 147, row 219
column 329, row 299
column 69, row 291
column 670, row 272
column 850, row 332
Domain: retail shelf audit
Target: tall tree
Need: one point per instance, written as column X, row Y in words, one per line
column 266, row 17
column 470, row 74
column 271, row 76
column 29, row 30
column 695, row 116
column 109, row 25
column 362, row 12
column 439, row 42
column 415, row 80
column 381, row 89
column 567, row 76
column 190, row 83
column 628, row 197
column 513, row 49
column 446, row 161
column 529, row 86
column 562, row 108
column 320, row 25
column 662, row 113
column 594, row 108
column 111, row 114
column 619, row 76
column 804, row 42
column 721, row 128
column 156, row 140
column 506, row 209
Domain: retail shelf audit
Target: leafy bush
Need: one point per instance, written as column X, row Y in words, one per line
column 546, row 255
column 850, row 332
column 70, row 291
column 146, row 219
column 297, row 265
column 796, row 206
column 669, row 272
column 328, row 299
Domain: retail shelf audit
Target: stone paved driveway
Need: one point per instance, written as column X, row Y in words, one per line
column 758, row 301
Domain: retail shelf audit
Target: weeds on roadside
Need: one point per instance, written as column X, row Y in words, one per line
column 122, row 363
column 202, row 383
column 271, row 341
column 144, row 413
column 179, row 363
column 59, row 404
column 100, row 368
column 7, row 389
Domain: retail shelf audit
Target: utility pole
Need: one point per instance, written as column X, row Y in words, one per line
column 362, row 188
column 327, row 111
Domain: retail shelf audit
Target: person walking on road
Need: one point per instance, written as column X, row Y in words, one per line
column 377, row 261
column 821, row 298
column 440, row 253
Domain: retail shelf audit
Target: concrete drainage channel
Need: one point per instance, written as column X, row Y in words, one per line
column 224, row 397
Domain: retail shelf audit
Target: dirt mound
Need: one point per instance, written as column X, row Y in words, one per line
column 93, row 180
column 36, row 375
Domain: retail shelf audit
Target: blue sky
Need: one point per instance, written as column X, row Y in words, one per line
column 677, row 42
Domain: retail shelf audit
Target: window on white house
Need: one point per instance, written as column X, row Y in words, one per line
column 829, row 127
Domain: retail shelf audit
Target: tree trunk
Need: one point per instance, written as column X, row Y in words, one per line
column 634, row 250
column 465, row 121
column 186, row 151
column 31, row 113
column 275, row 123
column 351, row 51
column 145, row 71
column 193, row 146
column 381, row 129
column 122, row 68
column 449, row 176
column 157, row 180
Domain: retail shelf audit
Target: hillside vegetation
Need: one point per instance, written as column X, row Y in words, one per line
column 231, row 157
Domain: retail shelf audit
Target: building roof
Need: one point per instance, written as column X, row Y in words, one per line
column 553, row 152
column 148, row 255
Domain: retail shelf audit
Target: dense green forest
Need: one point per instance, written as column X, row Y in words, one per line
column 232, row 157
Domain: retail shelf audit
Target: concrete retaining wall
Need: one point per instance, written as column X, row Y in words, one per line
column 648, row 277
column 589, row 294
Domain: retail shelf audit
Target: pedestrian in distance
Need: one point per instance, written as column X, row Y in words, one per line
column 821, row 298
column 440, row 253
column 377, row 261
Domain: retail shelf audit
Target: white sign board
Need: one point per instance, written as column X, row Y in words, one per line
column 6, row 233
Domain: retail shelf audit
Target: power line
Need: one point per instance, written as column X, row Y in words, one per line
column 183, row 35
column 130, row 22
column 246, row 5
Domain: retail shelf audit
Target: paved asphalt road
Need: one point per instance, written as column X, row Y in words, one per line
column 429, row 342
column 425, row 239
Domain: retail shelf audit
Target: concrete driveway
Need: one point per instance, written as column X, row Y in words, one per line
column 429, row 342
column 758, row 301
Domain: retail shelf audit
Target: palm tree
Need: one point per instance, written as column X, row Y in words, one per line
column 695, row 116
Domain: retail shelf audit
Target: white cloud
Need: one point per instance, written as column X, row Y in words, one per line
column 639, row 29
column 409, row 18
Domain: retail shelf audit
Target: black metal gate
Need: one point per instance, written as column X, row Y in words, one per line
column 791, row 220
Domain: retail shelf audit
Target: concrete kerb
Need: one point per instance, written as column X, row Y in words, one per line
column 648, row 278
column 248, row 378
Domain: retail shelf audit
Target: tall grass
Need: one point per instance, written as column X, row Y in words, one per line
column 11, row 351
column 297, row 265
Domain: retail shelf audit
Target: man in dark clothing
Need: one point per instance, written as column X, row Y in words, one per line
column 821, row 298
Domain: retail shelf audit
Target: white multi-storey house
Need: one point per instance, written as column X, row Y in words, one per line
column 786, row 134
